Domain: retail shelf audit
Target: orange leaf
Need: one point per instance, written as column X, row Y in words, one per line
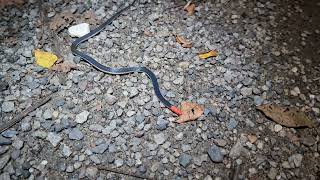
column 212, row 53
column 190, row 8
column 63, row 67
column 184, row 43
column 190, row 112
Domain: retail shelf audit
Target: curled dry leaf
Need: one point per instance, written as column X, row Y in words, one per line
column 184, row 43
column 190, row 8
column 63, row 67
column 287, row 116
column 252, row 138
column 212, row 53
column 190, row 112
column 45, row 59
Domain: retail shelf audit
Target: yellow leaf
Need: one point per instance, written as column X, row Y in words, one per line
column 45, row 59
column 190, row 112
column 211, row 53
column 287, row 116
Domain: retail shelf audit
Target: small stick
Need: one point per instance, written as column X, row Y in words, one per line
column 23, row 114
column 120, row 172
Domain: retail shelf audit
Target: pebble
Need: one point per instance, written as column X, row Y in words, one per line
column 66, row 150
column 236, row 150
column 79, row 30
column 220, row 142
column 7, row 106
column 246, row 91
column 232, row 124
column 295, row 160
column 75, row 134
column 162, row 124
column 133, row 92
column 215, row 153
column 110, row 99
column 17, row 143
column 185, row 147
column 91, row 172
column 100, row 148
column 118, row 162
column 96, row 127
column 185, row 160
column 272, row 173
column 159, row 138
column 277, row 128
column 258, row 100
column 82, row 117
column 9, row 133
column 54, row 138
column 47, row 114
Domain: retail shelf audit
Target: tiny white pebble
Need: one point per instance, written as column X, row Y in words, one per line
column 277, row 128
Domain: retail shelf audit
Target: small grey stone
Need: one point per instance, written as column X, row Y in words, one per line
column 295, row 160
column 140, row 118
column 159, row 138
column 185, row 147
column 4, row 160
column 118, row 162
column 110, row 99
column 272, row 173
column 236, row 150
column 133, row 92
column 25, row 126
column 215, row 153
column 9, row 133
column 162, row 124
column 17, row 143
column 257, row 100
column 75, row 134
column 232, row 124
column 178, row 81
column 108, row 42
column 3, row 149
column 40, row 134
column 246, row 91
column 142, row 169
column 94, row 158
column 185, row 159
column 47, row 114
column 100, row 148
column 54, row 138
column 15, row 154
column 96, row 127
column 66, row 150
column 82, row 117
column 70, row 169
column 7, row 106
column 5, row 176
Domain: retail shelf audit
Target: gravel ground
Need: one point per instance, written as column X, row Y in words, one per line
column 268, row 53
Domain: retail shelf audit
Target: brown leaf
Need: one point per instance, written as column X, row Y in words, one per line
column 4, row 3
column 61, row 21
column 287, row 116
column 252, row 138
column 190, row 112
column 190, row 8
column 184, row 43
column 63, row 67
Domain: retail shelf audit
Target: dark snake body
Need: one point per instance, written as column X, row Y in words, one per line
column 119, row 71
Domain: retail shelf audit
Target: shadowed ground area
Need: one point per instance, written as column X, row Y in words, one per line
column 100, row 126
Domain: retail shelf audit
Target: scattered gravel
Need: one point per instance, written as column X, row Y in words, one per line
column 267, row 53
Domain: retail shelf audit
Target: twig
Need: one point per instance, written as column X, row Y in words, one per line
column 105, row 168
column 23, row 114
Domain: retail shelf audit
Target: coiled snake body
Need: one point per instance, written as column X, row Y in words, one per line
column 119, row 71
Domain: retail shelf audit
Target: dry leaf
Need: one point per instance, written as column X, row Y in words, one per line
column 147, row 32
column 45, row 59
column 184, row 43
column 63, row 67
column 190, row 112
column 4, row 3
column 287, row 116
column 252, row 138
column 61, row 21
column 211, row 53
column 190, row 8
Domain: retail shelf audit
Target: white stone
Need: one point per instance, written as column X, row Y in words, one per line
column 82, row 117
column 79, row 30
column 277, row 128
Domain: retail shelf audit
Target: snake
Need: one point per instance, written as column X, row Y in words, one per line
column 122, row 70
